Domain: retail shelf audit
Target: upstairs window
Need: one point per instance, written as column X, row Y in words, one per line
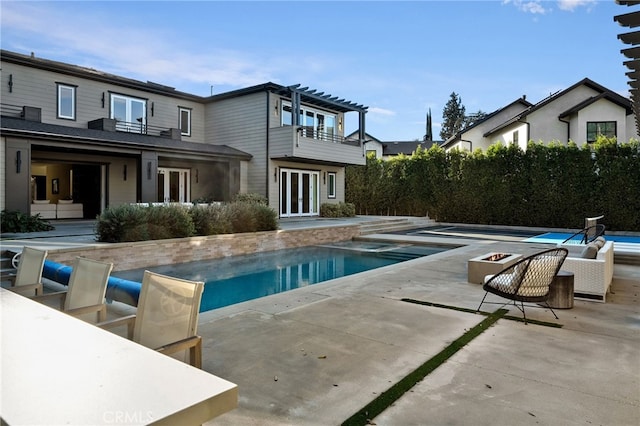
column 185, row 121
column 130, row 113
column 600, row 128
column 66, row 101
column 315, row 124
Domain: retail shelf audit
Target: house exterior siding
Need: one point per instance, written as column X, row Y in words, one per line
column 37, row 87
column 237, row 142
column 241, row 123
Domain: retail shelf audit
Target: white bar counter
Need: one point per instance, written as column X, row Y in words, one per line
column 56, row 369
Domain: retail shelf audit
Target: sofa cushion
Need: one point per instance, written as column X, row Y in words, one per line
column 599, row 242
column 590, row 251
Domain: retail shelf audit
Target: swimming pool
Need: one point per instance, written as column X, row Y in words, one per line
column 240, row 278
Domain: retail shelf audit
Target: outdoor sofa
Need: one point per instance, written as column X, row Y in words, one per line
column 592, row 267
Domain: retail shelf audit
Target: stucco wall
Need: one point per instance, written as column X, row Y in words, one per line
column 143, row 254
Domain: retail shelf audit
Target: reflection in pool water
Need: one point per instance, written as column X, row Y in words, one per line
column 240, row 278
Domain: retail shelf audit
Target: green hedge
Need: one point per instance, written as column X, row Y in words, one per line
column 135, row 223
column 552, row 185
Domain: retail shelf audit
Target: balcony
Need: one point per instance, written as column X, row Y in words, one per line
column 303, row 144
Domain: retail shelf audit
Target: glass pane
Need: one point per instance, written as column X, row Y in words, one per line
column 332, row 185
column 283, row 192
column 160, row 187
column 294, row 194
column 185, row 122
column 66, row 102
column 119, row 109
column 314, row 193
column 287, row 115
column 306, row 199
column 320, row 126
column 138, row 116
column 330, row 126
column 174, row 187
column 308, row 124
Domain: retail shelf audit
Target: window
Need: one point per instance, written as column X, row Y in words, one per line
column 130, row 113
column 315, row 124
column 66, row 101
column 185, row 121
column 331, row 185
column 372, row 153
column 600, row 128
column 515, row 137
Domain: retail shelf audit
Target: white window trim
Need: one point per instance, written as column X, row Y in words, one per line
column 128, row 125
column 188, row 111
column 331, row 184
column 73, row 101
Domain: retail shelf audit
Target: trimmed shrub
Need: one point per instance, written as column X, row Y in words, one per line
column 169, row 222
column 337, row 209
column 122, row 224
column 251, row 198
column 16, row 221
column 211, row 220
column 266, row 217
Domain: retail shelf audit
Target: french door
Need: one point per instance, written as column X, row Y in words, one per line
column 299, row 193
column 173, row 185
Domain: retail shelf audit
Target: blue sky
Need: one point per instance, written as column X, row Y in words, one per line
column 399, row 58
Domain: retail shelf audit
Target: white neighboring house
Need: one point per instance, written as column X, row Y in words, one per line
column 579, row 113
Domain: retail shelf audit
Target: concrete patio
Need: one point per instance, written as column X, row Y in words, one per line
column 318, row 354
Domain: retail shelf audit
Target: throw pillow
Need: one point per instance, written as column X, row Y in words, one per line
column 590, row 251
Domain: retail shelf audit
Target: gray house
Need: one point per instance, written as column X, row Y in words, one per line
column 75, row 140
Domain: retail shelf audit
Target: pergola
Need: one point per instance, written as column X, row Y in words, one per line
column 631, row 20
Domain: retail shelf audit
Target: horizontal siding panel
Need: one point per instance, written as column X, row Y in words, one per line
column 37, row 88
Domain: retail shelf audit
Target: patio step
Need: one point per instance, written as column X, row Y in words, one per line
column 393, row 225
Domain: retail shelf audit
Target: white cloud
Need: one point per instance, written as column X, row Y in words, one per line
column 571, row 5
column 535, row 6
column 144, row 53
column 381, row 111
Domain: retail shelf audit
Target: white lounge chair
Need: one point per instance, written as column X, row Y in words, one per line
column 87, row 286
column 28, row 278
column 167, row 317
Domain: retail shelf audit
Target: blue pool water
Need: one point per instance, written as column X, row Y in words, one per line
column 240, row 278
column 558, row 237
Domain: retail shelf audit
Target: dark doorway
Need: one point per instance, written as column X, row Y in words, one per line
column 86, row 188
column 40, row 187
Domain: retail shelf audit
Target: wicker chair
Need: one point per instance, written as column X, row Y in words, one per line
column 527, row 280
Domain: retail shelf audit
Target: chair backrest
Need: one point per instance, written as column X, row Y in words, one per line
column 540, row 270
column 529, row 279
column 30, row 266
column 87, row 285
column 167, row 311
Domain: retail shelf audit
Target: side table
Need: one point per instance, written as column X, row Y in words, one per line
column 561, row 291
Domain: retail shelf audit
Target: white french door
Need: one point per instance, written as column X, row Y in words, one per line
column 173, row 185
column 299, row 193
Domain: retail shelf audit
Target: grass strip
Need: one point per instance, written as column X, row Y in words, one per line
column 391, row 395
column 473, row 311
